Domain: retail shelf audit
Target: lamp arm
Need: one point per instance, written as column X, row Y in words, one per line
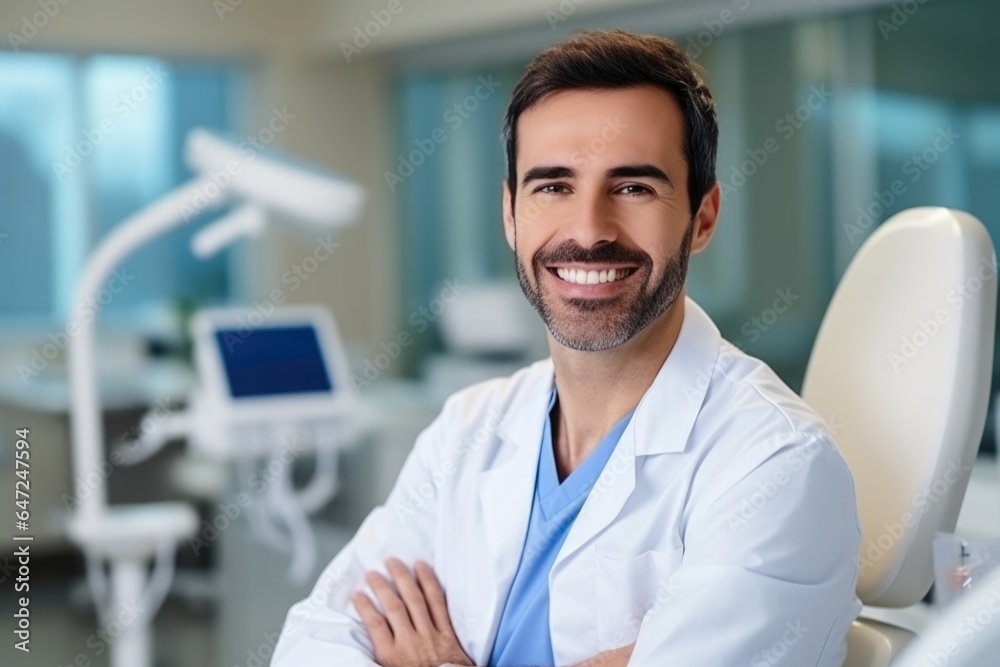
column 85, row 409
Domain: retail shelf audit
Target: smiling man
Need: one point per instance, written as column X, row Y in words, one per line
column 648, row 494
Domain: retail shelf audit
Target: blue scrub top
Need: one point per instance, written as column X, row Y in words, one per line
column 523, row 636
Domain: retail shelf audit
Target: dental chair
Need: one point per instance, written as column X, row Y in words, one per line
column 901, row 371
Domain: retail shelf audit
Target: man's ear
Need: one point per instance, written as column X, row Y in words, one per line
column 508, row 214
column 706, row 219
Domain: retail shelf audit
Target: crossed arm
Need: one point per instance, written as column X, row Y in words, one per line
column 789, row 564
column 415, row 630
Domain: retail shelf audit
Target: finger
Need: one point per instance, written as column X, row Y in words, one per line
column 378, row 628
column 409, row 591
column 434, row 595
column 393, row 608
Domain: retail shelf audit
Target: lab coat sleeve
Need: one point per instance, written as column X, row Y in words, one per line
column 324, row 629
column 769, row 566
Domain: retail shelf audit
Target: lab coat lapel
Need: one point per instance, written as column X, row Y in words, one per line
column 506, row 493
column 606, row 499
column 661, row 424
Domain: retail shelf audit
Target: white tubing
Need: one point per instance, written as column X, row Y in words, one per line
column 159, row 582
column 97, row 582
column 152, row 596
column 324, row 483
column 264, row 528
column 174, row 425
column 283, row 501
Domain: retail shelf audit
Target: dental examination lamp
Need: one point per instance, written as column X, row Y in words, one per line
column 129, row 536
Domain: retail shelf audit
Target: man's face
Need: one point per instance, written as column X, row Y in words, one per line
column 601, row 226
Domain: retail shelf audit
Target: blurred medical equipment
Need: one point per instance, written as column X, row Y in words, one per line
column 274, row 385
column 489, row 331
column 966, row 635
column 394, row 411
column 127, row 537
column 271, row 391
column 901, row 371
column 961, row 564
column 492, row 318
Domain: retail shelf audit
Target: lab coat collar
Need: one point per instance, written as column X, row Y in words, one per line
column 667, row 411
column 662, row 423
column 506, row 493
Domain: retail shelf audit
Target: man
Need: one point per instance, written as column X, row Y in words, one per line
column 649, row 495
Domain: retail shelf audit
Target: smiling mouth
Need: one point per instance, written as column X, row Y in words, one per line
column 592, row 276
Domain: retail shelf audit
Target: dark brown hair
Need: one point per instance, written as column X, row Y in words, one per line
column 597, row 59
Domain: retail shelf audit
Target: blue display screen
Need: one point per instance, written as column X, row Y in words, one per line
column 270, row 361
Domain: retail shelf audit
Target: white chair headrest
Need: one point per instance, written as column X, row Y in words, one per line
column 901, row 367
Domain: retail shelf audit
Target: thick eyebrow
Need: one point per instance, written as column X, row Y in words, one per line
column 640, row 171
column 546, row 173
column 624, row 171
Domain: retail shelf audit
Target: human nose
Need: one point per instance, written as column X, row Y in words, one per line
column 592, row 223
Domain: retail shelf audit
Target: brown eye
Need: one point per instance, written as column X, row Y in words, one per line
column 636, row 189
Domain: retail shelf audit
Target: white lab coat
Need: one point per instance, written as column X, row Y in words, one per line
column 722, row 532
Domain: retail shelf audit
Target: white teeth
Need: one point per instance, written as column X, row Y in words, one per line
column 582, row 277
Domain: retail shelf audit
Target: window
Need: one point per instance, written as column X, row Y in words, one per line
column 84, row 143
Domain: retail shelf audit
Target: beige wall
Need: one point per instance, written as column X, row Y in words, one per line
column 342, row 121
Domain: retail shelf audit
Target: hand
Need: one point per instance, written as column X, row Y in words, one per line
column 616, row 658
column 416, row 630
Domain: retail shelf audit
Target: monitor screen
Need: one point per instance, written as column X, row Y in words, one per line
column 274, row 360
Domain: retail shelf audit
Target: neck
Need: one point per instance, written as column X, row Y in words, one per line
column 597, row 389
